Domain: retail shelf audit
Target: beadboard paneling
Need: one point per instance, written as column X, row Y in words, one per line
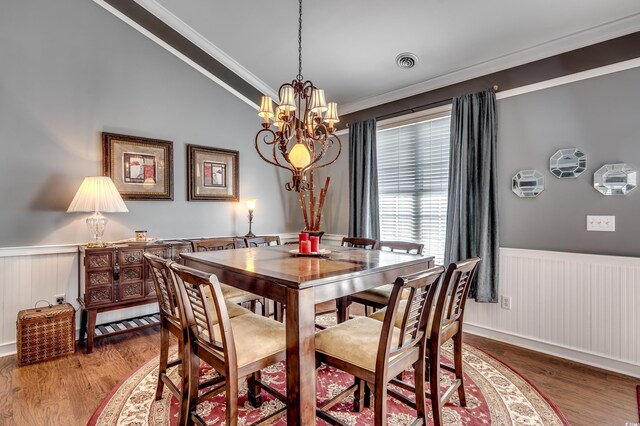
column 586, row 306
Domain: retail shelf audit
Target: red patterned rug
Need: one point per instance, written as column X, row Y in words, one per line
column 496, row 395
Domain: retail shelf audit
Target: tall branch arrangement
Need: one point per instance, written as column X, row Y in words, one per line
column 312, row 205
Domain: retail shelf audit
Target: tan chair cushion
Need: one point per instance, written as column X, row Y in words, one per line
column 233, row 293
column 446, row 333
column 233, row 309
column 379, row 315
column 255, row 337
column 380, row 295
column 354, row 341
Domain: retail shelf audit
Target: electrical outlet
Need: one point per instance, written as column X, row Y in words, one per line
column 60, row 299
column 601, row 223
column 505, row 302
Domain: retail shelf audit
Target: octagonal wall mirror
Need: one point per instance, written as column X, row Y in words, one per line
column 567, row 163
column 614, row 179
column 527, row 183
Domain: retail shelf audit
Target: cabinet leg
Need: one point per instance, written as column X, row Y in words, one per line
column 91, row 328
column 83, row 325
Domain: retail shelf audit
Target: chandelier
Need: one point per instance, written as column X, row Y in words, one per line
column 303, row 128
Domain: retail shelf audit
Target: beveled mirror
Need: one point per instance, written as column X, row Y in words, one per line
column 527, row 183
column 567, row 163
column 614, row 179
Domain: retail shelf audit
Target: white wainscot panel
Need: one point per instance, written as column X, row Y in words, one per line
column 577, row 306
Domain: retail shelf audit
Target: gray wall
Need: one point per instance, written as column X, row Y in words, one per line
column 71, row 70
column 599, row 116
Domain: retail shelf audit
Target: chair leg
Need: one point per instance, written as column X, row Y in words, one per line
column 192, row 379
column 380, row 403
column 457, row 363
column 252, row 306
column 434, row 383
column 164, row 359
column 367, row 395
column 255, row 391
column 421, row 405
column 358, row 396
column 231, row 390
column 342, row 306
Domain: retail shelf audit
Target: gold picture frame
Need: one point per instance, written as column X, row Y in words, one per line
column 213, row 174
column 141, row 168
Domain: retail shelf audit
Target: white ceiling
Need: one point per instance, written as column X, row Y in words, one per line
column 349, row 47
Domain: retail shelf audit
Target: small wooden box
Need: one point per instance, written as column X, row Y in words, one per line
column 45, row 333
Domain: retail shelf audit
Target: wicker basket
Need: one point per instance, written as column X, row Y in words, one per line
column 45, row 333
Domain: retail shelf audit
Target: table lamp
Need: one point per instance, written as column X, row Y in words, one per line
column 251, row 206
column 97, row 194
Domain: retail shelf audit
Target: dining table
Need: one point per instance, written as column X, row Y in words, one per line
column 299, row 283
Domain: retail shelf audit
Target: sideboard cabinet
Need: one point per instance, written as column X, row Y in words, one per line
column 118, row 277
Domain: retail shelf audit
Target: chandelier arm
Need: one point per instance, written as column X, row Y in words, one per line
column 274, row 142
column 322, row 155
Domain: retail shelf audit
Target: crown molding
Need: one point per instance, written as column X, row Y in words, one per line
column 175, row 52
column 567, row 43
column 207, row 46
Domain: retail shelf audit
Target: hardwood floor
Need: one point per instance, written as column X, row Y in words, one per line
column 66, row 391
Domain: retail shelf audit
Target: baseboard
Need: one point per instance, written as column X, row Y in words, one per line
column 582, row 357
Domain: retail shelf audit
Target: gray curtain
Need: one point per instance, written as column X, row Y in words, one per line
column 472, row 217
column 363, row 181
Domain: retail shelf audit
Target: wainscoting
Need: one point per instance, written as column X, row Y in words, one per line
column 576, row 306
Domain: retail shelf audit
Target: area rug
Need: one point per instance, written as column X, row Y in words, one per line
column 496, row 395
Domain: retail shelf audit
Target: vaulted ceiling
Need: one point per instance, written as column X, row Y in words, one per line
column 349, row 47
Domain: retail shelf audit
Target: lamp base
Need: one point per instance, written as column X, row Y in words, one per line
column 96, row 224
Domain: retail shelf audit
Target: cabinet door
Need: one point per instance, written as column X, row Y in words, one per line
column 98, row 278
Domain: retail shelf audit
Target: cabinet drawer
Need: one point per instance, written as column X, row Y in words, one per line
column 130, row 273
column 130, row 290
column 130, row 257
column 101, row 260
column 99, row 296
column 100, row 278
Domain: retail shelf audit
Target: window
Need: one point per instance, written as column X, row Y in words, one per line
column 413, row 175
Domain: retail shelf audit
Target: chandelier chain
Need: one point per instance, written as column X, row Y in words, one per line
column 299, row 76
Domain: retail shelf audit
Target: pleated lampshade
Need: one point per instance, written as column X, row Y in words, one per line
column 97, row 194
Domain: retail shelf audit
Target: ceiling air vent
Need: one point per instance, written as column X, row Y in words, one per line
column 406, row 60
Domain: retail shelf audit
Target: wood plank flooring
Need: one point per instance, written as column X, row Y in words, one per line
column 66, row 391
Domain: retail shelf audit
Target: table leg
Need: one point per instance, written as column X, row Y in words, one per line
column 91, row 328
column 301, row 358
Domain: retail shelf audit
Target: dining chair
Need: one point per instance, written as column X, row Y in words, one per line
column 365, row 243
column 170, row 323
column 236, row 348
column 230, row 293
column 262, row 241
column 375, row 352
column 378, row 298
column 446, row 325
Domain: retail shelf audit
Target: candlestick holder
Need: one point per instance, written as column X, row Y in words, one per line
column 251, row 204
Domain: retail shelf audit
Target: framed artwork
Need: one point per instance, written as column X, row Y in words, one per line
column 141, row 168
column 213, row 174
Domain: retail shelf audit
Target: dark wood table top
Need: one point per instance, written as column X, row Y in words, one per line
column 275, row 264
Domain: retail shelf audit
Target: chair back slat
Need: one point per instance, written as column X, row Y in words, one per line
column 215, row 244
column 163, row 283
column 364, row 243
column 451, row 301
column 267, row 240
column 402, row 246
column 420, row 287
column 192, row 291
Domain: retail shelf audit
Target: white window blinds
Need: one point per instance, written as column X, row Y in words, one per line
column 413, row 174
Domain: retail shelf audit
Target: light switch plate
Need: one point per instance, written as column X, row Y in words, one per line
column 601, row 223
